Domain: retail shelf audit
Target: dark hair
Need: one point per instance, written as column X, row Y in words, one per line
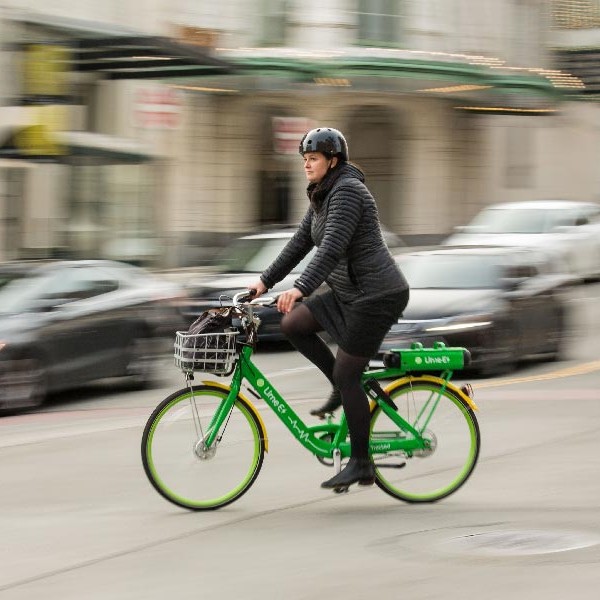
column 317, row 192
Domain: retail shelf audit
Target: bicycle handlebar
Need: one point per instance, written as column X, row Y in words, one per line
column 243, row 296
column 246, row 297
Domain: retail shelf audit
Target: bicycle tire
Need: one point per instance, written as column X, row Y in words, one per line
column 184, row 472
column 427, row 476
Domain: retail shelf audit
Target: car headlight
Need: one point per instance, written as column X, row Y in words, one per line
column 462, row 323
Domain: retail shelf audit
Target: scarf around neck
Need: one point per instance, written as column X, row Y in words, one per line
column 317, row 192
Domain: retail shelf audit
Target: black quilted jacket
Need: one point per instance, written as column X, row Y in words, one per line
column 352, row 256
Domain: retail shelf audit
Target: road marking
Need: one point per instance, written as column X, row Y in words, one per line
column 290, row 371
column 582, row 369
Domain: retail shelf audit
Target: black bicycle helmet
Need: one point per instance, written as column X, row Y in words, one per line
column 329, row 141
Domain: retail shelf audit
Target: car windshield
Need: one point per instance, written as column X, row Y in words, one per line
column 254, row 255
column 43, row 289
column 20, row 295
column 510, row 220
column 428, row 271
column 6, row 278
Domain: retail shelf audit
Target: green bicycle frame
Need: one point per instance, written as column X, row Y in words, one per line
column 245, row 369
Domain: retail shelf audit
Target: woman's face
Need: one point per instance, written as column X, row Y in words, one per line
column 316, row 166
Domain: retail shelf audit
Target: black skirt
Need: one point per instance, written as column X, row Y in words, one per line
column 357, row 328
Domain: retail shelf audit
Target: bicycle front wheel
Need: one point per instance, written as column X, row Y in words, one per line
column 449, row 425
column 187, row 472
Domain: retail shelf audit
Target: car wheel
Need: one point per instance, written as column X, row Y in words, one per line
column 141, row 362
column 506, row 360
column 555, row 352
column 495, row 368
column 22, row 383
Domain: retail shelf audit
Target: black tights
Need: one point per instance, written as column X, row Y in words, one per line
column 344, row 372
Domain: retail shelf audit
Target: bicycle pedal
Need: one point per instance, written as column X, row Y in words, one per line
column 325, row 416
column 341, row 490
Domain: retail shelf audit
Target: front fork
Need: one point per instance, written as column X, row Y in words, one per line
column 207, row 442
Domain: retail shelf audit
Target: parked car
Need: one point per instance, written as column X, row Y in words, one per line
column 503, row 304
column 240, row 264
column 65, row 323
column 568, row 228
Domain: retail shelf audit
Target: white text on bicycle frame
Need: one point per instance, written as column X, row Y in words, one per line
column 302, row 435
column 271, row 396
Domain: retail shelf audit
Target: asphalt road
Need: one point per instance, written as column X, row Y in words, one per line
column 78, row 518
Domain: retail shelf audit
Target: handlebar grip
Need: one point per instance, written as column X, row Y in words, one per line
column 244, row 296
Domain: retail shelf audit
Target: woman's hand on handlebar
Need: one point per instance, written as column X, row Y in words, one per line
column 259, row 287
column 287, row 299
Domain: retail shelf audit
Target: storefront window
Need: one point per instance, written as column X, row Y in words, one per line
column 12, row 213
column 576, row 14
column 112, row 212
column 275, row 16
column 379, row 22
column 274, row 198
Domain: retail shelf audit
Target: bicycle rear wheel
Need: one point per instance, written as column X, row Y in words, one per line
column 186, row 472
column 436, row 472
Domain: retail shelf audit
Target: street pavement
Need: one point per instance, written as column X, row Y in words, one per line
column 79, row 519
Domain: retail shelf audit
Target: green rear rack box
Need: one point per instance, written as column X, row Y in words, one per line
column 438, row 358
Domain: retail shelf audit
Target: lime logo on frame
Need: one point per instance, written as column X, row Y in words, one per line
column 260, row 382
column 437, row 360
column 432, row 360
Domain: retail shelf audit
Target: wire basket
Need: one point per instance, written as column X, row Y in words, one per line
column 206, row 352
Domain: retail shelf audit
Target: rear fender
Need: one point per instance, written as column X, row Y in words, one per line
column 251, row 406
column 438, row 380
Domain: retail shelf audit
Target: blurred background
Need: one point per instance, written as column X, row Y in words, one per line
column 153, row 144
column 155, row 131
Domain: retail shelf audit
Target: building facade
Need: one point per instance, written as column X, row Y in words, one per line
column 181, row 121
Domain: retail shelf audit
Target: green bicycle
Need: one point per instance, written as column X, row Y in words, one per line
column 203, row 446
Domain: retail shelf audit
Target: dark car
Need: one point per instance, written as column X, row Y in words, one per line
column 65, row 323
column 241, row 264
column 503, row 304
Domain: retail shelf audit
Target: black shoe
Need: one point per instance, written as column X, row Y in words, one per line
column 358, row 470
column 334, row 402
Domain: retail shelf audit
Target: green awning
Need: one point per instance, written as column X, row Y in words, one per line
column 457, row 77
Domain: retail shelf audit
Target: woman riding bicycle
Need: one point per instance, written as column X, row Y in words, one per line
column 368, row 291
